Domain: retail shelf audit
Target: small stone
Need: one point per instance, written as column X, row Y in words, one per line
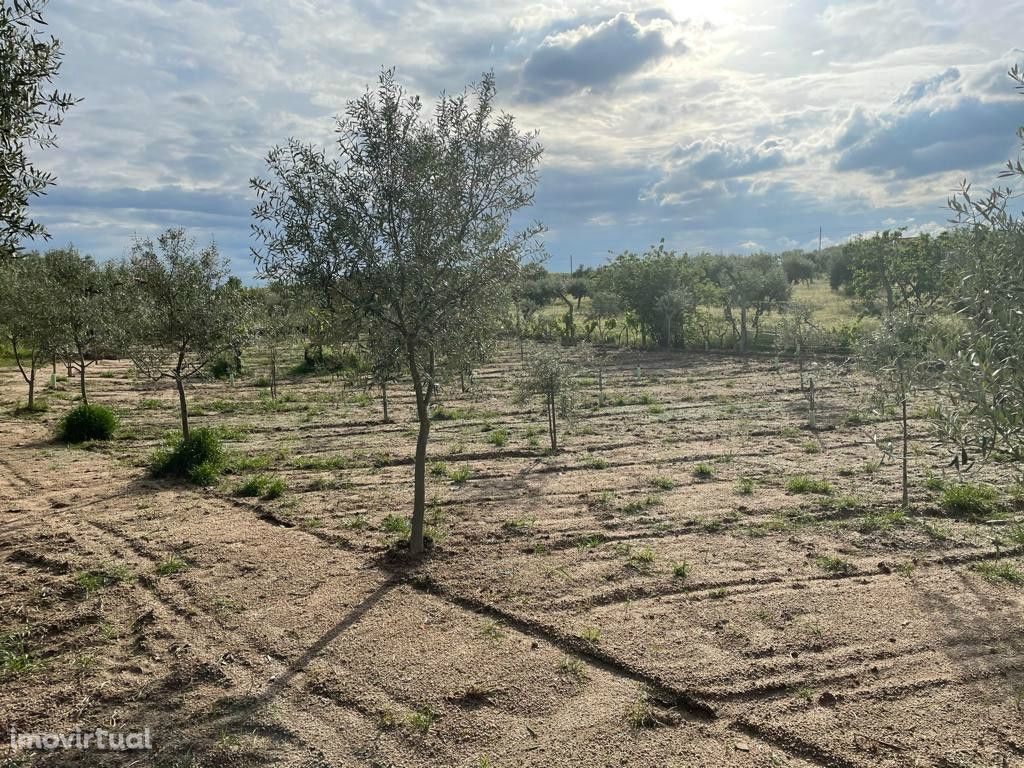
column 742, row 746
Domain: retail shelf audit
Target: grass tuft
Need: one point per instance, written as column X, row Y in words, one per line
column 803, row 484
column 974, row 500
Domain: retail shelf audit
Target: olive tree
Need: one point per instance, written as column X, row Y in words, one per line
column 28, row 116
column 752, row 286
column 896, row 357
column 891, row 270
column 670, row 306
column 26, row 317
column 796, row 334
column 407, row 223
column 383, row 352
column 275, row 323
column 547, row 373
column 983, row 366
column 84, row 303
column 184, row 310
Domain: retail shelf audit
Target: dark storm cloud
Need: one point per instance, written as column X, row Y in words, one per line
column 595, row 57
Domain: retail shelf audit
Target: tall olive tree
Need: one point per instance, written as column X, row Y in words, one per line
column 752, row 286
column 891, row 271
column 408, row 224
column 28, row 115
column 184, row 310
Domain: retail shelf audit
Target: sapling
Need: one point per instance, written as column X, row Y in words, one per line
column 895, row 356
column 548, row 374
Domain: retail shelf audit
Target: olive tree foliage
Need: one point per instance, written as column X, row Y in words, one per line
column 548, row 374
column 29, row 113
column 983, row 363
column 408, row 225
column 659, row 288
column 276, row 320
column 897, row 356
column 890, row 271
column 27, row 317
column 751, row 287
column 799, row 267
column 185, row 311
column 85, row 309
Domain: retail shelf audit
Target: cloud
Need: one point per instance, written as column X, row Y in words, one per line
column 713, row 159
column 928, row 86
column 940, row 123
column 869, row 110
column 596, row 57
column 714, row 169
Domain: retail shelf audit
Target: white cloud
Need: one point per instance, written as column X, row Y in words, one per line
column 653, row 125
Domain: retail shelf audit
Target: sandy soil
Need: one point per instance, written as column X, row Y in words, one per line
column 600, row 606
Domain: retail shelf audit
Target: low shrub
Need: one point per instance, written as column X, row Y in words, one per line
column 87, row 422
column 199, row 459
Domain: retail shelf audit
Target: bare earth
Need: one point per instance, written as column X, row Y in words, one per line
column 547, row 627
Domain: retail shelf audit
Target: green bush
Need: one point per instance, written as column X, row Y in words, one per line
column 87, row 422
column 254, row 486
column 221, row 368
column 199, row 459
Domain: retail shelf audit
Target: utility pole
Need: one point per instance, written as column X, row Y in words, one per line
column 819, row 239
column 570, row 264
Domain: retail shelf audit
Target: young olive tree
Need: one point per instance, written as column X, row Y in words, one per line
column 84, row 301
column 275, row 323
column 895, row 355
column 383, row 352
column 185, row 310
column 27, row 316
column 797, row 335
column 407, row 226
column 28, row 116
column 547, row 373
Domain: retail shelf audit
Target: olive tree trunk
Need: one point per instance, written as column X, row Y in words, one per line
column 183, row 406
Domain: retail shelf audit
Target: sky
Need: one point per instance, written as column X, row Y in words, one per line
column 733, row 126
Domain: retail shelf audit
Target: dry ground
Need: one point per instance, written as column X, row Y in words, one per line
column 605, row 605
